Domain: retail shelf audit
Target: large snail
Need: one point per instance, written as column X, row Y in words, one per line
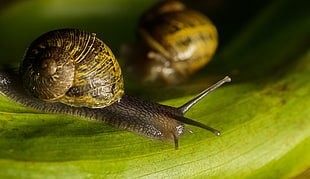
column 176, row 42
column 73, row 72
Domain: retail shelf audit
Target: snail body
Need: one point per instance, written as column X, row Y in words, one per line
column 178, row 41
column 150, row 120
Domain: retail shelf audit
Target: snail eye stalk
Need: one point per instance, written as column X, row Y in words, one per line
column 186, row 107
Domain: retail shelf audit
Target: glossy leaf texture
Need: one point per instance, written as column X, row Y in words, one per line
column 263, row 114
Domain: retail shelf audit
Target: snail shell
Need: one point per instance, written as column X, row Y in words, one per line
column 72, row 67
column 179, row 41
column 72, row 72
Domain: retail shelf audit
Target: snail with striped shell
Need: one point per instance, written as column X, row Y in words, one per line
column 72, row 72
column 176, row 42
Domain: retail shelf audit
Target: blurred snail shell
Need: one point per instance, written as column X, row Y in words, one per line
column 179, row 41
column 51, row 58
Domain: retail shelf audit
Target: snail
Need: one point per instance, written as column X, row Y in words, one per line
column 71, row 71
column 176, row 42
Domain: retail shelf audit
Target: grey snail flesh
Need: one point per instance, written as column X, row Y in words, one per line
column 129, row 113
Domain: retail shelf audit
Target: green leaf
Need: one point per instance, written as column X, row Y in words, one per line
column 264, row 114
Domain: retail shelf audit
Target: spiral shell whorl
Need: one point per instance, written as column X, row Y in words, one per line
column 78, row 69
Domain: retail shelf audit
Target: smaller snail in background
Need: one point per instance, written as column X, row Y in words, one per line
column 69, row 71
column 176, row 42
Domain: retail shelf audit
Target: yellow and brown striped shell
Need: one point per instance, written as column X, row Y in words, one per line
column 180, row 41
column 73, row 67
